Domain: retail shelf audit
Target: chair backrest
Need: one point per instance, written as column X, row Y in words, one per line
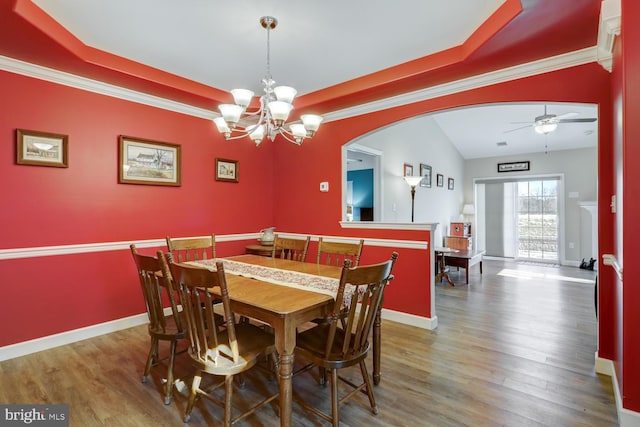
column 294, row 249
column 334, row 253
column 199, row 288
column 192, row 249
column 357, row 320
column 155, row 283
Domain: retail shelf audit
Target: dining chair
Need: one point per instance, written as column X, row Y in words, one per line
column 334, row 253
column 192, row 249
column 343, row 341
column 222, row 352
column 156, row 286
column 293, row 249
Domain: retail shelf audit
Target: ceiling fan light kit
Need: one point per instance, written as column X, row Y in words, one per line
column 271, row 115
column 548, row 123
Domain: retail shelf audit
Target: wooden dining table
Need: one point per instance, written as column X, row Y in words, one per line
column 284, row 308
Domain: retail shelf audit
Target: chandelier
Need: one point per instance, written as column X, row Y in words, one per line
column 269, row 119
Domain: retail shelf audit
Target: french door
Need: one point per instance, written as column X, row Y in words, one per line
column 537, row 219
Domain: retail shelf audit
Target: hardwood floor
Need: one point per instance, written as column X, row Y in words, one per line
column 515, row 347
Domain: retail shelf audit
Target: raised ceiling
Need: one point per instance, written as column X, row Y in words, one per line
column 337, row 54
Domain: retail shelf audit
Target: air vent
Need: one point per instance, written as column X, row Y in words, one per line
column 501, row 144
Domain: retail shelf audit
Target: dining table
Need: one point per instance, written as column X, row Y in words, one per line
column 284, row 294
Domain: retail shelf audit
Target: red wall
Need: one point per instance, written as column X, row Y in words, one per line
column 279, row 186
column 630, row 112
column 45, row 206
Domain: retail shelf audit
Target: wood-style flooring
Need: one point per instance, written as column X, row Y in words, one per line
column 515, row 347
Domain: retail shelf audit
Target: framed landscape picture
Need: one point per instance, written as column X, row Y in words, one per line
column 425, row 173
column 226, row 170
column 143, row 161
column 42, row 148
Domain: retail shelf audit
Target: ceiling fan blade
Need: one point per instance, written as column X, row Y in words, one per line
column 566, row 115
column 585, row 120
column 513, row 130
column 519, row 123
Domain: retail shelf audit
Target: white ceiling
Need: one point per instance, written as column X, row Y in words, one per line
column 316, row 45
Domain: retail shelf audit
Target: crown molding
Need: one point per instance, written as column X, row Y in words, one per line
column 66, row 79
column 608, row 29
column 546, row 65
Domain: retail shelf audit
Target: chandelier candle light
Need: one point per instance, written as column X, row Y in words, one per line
column 270, row 117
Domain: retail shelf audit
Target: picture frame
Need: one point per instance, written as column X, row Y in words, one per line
column 440, row 180
column 147, row 162
column 227, row 170
column 513, row 166
column 450, row 184
column 37, row 148
column 425, row 173
column 408, row 169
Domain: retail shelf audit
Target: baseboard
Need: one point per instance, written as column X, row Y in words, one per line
column 626, row 417
column 410, row 319
column 64, row 338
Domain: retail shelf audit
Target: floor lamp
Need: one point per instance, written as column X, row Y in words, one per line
column 413, row 181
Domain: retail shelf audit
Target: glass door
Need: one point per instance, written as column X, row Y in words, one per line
column 537, row 227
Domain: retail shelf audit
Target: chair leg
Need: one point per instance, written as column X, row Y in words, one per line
column 195, row 385
column 335, row 415
column 228, row 394
column 153, row 351
column 323, row 376
column 369, row 383
column 169, row 385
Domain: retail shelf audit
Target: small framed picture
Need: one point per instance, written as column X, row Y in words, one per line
column 425, row 173
column 450, row 184
column 143, row 161
column 408, row 169
column 226, row 170
column 42, row 148
column 440, row 180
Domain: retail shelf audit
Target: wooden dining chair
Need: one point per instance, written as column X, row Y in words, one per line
column 293, row 249
column 222, row 352
column 343, row 340
column 334, row 253
column 192, row 249
column 156, row 286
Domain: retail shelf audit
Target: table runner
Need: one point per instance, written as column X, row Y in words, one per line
column 293, row 279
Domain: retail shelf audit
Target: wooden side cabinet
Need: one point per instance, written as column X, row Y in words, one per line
column 463, row 243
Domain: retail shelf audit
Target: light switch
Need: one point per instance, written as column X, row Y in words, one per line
column 324, row 187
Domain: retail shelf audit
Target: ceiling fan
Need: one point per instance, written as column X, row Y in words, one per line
column 549, row 122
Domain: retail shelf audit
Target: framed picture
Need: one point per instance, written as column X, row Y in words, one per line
column 513, row 166
column 408, row 169
column 226, row 170
column 143, row 161
column 425, row 173
column 440, row 180
column 450, row 184
column 42, row 148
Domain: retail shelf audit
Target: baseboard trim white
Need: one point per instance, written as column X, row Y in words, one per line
column 68, row 337
column 429, row 323
column 626, row 417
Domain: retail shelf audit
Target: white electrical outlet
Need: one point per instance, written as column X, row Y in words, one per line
column 324, row 187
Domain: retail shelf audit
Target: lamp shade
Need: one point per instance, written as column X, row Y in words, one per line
column 413, row 180
column 468, row 210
